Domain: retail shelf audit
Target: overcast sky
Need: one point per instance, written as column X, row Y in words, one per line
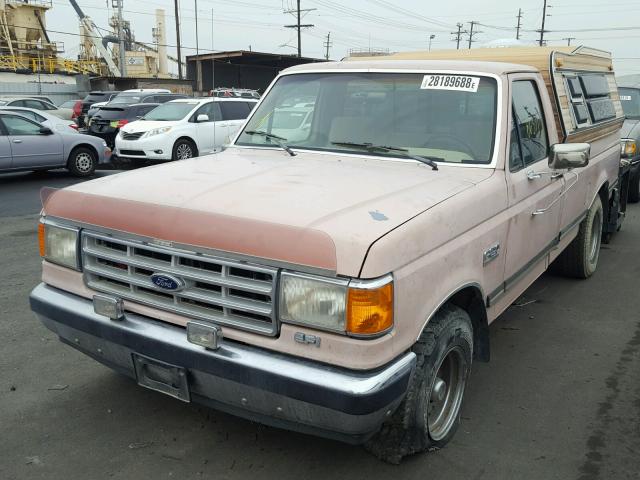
column 359, row 24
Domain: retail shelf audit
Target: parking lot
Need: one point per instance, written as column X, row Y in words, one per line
column 560, row 398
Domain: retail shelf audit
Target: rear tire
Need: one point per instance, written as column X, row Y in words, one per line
column 429, row 415
column 580, row 258
column 82, row 162
column 184, row 149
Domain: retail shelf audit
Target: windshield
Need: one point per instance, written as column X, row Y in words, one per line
column 630, row 99
column 171, row 111
column 448, row 116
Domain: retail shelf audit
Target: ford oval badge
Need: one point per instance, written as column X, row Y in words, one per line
column 167, row 282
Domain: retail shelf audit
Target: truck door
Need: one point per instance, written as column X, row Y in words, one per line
column 30, row 147
column 535, row 196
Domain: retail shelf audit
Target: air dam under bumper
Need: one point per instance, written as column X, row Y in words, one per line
column 258, row 384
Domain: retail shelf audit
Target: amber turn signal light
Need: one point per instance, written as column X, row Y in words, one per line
column 370, row 311
column 41, row 239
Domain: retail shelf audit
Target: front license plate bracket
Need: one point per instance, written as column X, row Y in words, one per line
column 162, row 377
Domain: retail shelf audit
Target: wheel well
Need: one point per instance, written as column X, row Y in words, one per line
column 606, row 206
column 83, row 145
column 470, row 299
column 189, row 139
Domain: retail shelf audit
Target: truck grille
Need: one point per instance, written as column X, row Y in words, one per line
column 131, row 136
column 222, row 291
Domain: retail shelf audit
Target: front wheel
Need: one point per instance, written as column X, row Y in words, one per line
column 183, row 149
column 428, row 417
column 82, row 162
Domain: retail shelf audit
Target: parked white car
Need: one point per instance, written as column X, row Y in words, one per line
column 45, row 119
column 183, row 129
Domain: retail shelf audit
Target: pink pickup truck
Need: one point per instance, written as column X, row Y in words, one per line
column 336, row 269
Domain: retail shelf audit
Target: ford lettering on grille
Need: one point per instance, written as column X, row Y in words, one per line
column 167, row 282
column 193, row 284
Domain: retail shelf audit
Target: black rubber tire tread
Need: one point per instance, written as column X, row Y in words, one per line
column 406, row 431
column 574, row 261
column 174, row 151
column 71, row 166
column 634, row 188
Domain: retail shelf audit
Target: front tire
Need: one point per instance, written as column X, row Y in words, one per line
column 82, row 162
column 429, row 415
column 580, row 258
column 184, row 149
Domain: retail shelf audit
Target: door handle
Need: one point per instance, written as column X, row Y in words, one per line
column 531, row 175
column 17, row 140
column 542, row 211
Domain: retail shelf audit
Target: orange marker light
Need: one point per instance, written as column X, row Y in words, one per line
column 370, row 311
column 41, row 239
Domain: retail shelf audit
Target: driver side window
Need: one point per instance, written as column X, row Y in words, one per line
column 20, row 126
column 529, row 141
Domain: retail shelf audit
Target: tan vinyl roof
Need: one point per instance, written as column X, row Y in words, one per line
column 497, row 68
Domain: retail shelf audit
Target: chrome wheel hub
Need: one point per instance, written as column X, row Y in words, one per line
column 184, row 151
column 446, row 394
column 596, row 233
column 84, row 162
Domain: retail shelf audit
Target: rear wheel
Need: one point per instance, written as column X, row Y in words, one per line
column 184, row 149
column 580, row 258
column 634, row 188
column 82, row 162
column 428, row 417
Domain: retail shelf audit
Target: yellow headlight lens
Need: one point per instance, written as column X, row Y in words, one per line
column 370, row 311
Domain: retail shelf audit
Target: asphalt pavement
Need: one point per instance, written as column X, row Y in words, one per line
column 560, row 398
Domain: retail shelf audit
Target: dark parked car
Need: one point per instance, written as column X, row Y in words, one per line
column 107, row 122
column 630, row 133
column 132, row 97
column 93, row 97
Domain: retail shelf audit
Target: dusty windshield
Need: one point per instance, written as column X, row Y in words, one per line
column 630, row 100
column 449, row 117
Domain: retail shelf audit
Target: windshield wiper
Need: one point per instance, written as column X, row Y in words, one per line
column 276, row 138
column 370, row 147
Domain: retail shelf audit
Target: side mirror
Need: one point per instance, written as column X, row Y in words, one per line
column 203, row 117
column 45, row 131
column 564, row 156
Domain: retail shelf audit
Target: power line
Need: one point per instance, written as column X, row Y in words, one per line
column 458, row 35
column 544, row 17
column 471, row 32
column 518, row 26
column 327, row 45
column 298, row 26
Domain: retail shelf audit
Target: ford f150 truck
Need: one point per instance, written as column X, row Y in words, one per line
column 341, row 282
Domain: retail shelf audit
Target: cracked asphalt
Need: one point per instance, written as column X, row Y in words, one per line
column 560, row 398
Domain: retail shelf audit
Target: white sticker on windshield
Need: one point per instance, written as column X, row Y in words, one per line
column 450, row 82
column 625, row 98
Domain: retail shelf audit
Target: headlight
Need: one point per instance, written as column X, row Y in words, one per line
column 59, row 245
column 156, row 131
column 353, row 307
column 104, row 144
column 628, row 148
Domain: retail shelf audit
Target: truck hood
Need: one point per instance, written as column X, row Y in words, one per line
column 630, row 129
column 318, row 210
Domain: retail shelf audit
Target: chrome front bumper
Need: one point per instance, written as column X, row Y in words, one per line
column 258, row 384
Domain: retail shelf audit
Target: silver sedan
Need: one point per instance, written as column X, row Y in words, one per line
column 27, row 145
column 45, row 119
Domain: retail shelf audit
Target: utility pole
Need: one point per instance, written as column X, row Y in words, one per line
column 568, row 39
column 196, row 8
column 298, row 13
column 458, row 35
column 327, row 45
column 471, row 32
column 175, row 2
column 519, row 24
column 121, row 45
column 431, row 37
column 544, row 17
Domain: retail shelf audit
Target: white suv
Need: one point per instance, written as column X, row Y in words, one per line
column 183, row 128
